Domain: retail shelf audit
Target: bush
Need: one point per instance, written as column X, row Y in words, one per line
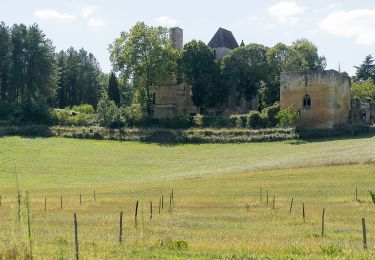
column 84, row 108
column 198, row 120
column 7, row 109
column 270, row 113
column 372, row 194
column 109, row 115
column 287, row 117
column 32, row 112
column 61, row 117
column 255, row 120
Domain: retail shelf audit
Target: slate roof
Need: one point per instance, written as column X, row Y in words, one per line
column 223, row 38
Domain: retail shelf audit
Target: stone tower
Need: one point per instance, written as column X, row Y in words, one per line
column 176, row 35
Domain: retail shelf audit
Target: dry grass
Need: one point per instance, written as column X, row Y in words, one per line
column 217, row 211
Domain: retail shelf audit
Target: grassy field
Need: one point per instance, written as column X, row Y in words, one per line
column 217, row 210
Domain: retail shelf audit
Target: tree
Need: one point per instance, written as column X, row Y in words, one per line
column 309, row 58
column 201, row 72
column 113, row 88
column 145, row 56
column 4, row 61
column 300, row 57
column 245, row 69
column 81, row 78
column 364, row 90
column 366, row 70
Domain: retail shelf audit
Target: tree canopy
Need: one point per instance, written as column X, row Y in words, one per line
column 80, row 80
column 145, row 56
column 201, row 72
column 366, row 70
column 28, row 70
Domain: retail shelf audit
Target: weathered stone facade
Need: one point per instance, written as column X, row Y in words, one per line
column 172, row 100
column 322, row 98
column 361, row 112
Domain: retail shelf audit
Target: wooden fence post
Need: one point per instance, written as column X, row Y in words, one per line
column 61, row 206
column 162, row 202
column 323, row 213
column 303, row 212
column 364, row 233
column 45, row 204
column 159, row 205
column 0, row 200
column 273, row 203
column 80, row 199
column 120, row 239
column 136, row 213
column 267, row 198
column 291, row 206
column 356, row 194
column 76, row 235
column 170, row 201
column 150, row 210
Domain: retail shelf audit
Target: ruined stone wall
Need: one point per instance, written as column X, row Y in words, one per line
column 172, row 100
column 330, row 97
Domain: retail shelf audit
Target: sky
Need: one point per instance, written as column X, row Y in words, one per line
column 343, row 30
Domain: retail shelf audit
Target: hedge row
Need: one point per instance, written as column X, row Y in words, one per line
column 195, row 135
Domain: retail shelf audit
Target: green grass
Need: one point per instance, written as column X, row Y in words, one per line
column 217, row 209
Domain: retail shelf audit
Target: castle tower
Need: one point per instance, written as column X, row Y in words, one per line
column 176, row 35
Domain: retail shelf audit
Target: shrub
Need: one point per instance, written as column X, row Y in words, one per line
column 255, row 120
column 372, row 194
column 84, row 108
column 270, row 113
column 82, row 119
column 61, row 117
column 108, row 114
column 7, row 109
column 287, row 117
column 198, row 120
column 32, row 111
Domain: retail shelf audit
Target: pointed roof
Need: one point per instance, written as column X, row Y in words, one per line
column 223, row 38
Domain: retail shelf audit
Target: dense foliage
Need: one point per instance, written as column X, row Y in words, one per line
column 28, row 70
column 364, row 90
column 144, row 56
column 81, row 78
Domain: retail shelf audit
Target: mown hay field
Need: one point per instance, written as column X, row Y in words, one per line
column 217, row 211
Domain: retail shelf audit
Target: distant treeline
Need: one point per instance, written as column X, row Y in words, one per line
column 32, row 73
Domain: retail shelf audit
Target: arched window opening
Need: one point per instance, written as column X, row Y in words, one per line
column 307, row 101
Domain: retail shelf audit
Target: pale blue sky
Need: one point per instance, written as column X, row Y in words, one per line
column 344, row 30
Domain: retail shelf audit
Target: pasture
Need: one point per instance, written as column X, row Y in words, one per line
column 218, row 210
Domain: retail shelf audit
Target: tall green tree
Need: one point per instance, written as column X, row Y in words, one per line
column 145, row 56
column 366, row 70
column 246, row 69
column 309, row 58
column 5, row 53
column 364, row 90
column 80, row 81
column 301, row 56
column 200, row 70
column 113, row 88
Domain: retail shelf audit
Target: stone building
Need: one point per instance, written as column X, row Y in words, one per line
column 361, row 112
column 322, row 98
column 222, row 43
column 172, row 100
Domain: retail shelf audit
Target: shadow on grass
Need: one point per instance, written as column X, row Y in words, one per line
column 329, row 135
